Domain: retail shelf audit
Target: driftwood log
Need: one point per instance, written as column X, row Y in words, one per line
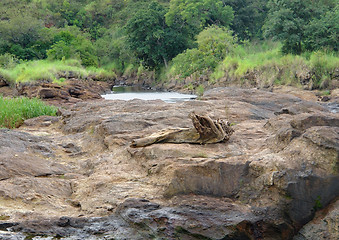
column 205, row 131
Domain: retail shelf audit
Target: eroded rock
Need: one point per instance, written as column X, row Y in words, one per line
column 325, row 225
column 267, row 181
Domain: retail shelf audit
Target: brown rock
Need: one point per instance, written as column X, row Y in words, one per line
column 325, row 225
column 276, row 170
column 46, row 93
column 3, row 82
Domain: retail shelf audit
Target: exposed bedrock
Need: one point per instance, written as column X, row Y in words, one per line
column 276, row 172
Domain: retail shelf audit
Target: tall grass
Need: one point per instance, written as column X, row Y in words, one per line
column 273, row 67
column 52, row 71
column 14, row 111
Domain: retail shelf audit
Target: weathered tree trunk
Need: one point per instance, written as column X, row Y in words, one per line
column 205, row 130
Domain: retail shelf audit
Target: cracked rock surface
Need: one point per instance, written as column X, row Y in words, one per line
column 77, row 177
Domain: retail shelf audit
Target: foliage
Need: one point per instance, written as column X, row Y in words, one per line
column 14, row 111
column 8, row 60
column 51, row 71
column 20, row 36
column 199, row 13
column 214, row 43
column 323, row 32
column 151, row 39
column 273, row 67
column 288, row 20
column 118, row 35
column 249, row 17
column 113, row 50
column 68, row 45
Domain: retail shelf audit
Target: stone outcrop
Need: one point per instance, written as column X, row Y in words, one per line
column 276, row 172
column 71, row 91
column 325, row 225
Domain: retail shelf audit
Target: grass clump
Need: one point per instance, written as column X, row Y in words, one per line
column 14, row 111
column 52, row 71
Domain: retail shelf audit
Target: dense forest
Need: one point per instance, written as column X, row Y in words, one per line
column 207, row 41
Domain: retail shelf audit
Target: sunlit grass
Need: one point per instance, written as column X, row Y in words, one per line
column 273, row 67
column 14, row 111
column 52, row 71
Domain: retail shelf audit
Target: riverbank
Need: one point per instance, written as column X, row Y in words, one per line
column 76, row 176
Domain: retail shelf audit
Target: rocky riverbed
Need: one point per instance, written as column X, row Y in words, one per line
column 76, row 177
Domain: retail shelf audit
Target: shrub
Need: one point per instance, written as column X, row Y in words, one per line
column 214, row 43
column 8, row 60
column 73, row 45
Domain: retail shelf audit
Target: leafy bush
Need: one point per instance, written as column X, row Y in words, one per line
column 113, row 50
column 13, row 112
column 189, row 62
column 73, row 45
column 8, row 60
column 214, row 43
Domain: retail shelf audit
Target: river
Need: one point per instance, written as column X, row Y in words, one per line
column 128, row 93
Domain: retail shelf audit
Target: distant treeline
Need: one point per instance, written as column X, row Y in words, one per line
column 127, row 34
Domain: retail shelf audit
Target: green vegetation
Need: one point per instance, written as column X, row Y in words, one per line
column 4, row 217
column 204, row 41
column 197, row 14
column 317, row 203
column 151, row 39
column 298, row 24
column 53, row 71
column 13, row 112
column 214, row 43
column 271, row 66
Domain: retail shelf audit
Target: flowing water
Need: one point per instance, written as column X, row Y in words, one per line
column 129, row 93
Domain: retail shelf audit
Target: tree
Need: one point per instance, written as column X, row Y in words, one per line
column 113, row 48
column 249, row 17
column 285, row 21
column 19, row 36
column 152, row 40
column 197, row 14
column 288, row 19
column 323, row 32
column 70, row 43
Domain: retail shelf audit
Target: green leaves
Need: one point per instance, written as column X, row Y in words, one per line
column 323, row 32
column 153, row 41
column 214, row 44
column 68, row 45
column 199, row 13
column 293, row 23
column 216, row 41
